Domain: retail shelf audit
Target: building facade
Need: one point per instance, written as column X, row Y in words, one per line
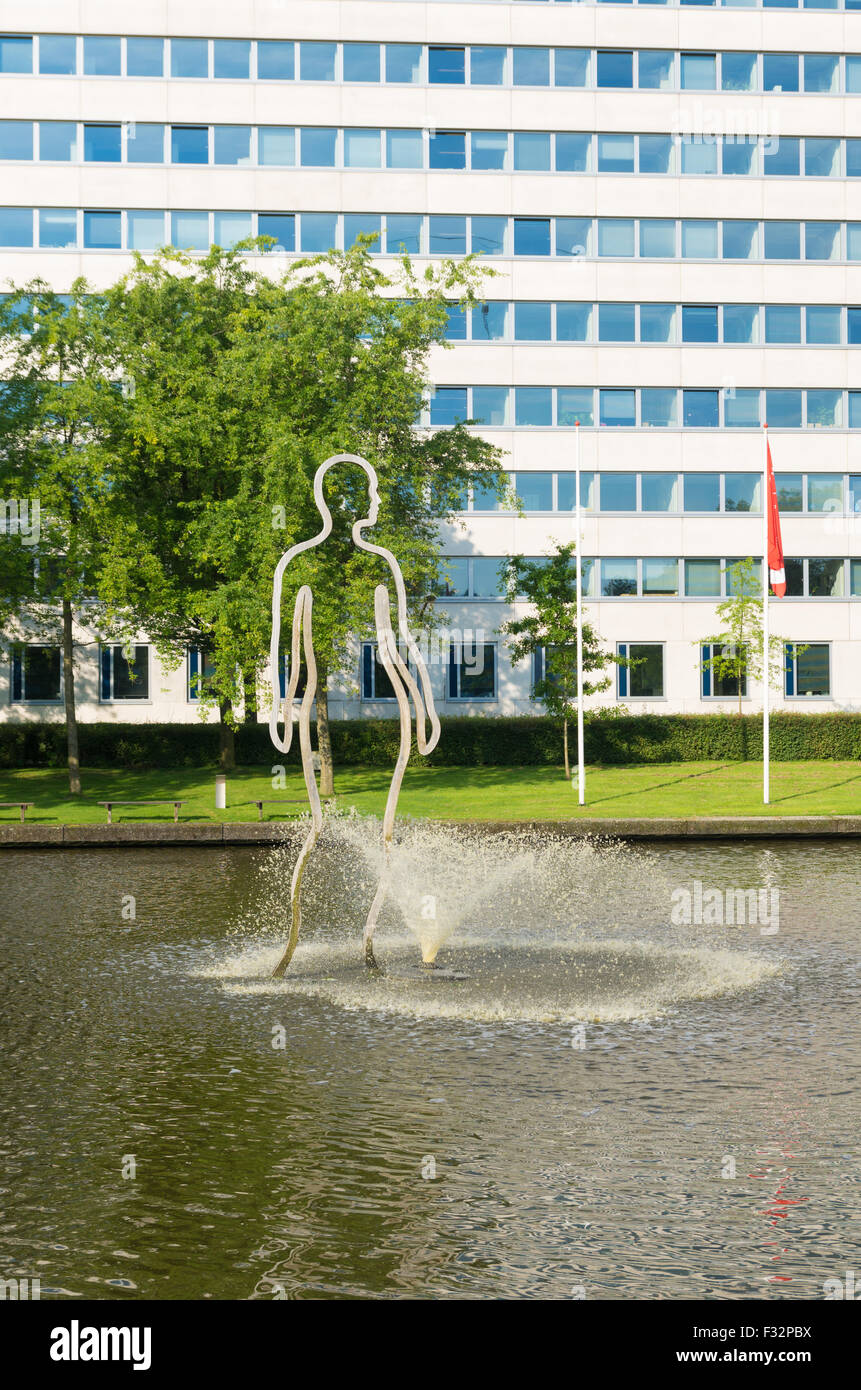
column 671, row 198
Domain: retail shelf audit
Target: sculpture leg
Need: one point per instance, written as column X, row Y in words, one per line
column 296, row 902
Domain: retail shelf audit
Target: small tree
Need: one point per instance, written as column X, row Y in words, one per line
column 740, row 642
column 550, row 586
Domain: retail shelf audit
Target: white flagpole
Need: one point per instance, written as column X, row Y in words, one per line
column 581, row 762
column 766, row 740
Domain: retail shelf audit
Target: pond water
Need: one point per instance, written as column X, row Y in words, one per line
column 617, row 1102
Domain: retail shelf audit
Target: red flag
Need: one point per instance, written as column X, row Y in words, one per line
column 776, row 572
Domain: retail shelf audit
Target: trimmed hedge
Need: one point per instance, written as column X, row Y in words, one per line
column 528, row 741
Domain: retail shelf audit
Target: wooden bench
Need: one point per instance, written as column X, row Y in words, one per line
column 24, row 807
column 175, row 804
column 285, row 801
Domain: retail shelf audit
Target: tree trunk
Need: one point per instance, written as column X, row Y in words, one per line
column 249, row 692
column 226, row 739
column 324, row 739
column 72, row 746
column 565, row 746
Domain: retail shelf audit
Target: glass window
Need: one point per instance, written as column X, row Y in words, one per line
column 488, row 235
column 189, row 144
column 490, row 405
column 489, row 321
column 821, row 158
column 447, row 149
column 699, row 240
column 821, row 72
column 573, row 236
column 16, row 53
column 404, row 233
column 485, row 499
column 472, row 671
column 532, row 322
column 231, row 58
column 231, row 144
column 573, row 151
column 702, row 578
column 231, row 227
column 618, row 577
column 446, row 65
column 822, row 241
column 658, row 237
column 794, row 570
column 362, row 149
column 615, row 236
column 58, row 54
column 659, row 492
column 823, row 323
column 317, row 61
column 855, row 570
column 656, row 154
column 565, row 497
column 535, row 491
column 448, row 405
column 780, row 72
column 532, row 236
column 740, row 323
column 655, row 69
column 782, row 323
column 403, row 62
column 532, row 67
column 58, row 228
column 361, row 62
column 455, row 330
column 699, row 323
column 824, row 492
column 102, row 56
column 447, row 236
column 616, row 154
column 618, row 407
column 618, row 492
column 700, row 409
column 853, row 73
column 144, row 57
column 783, row 409
column 699, row 154
column 807, row 670
column 189, row 57
column 129, row 672
column 573, row 323
column 782, row 241
column 740, row 241
column 16, row 227
column 533, row 405
column 487, row 66
column 276, row 144
column 404, row 149
column 190, row 230
column 782, row 156
column 145, row 143
column 660, row 576
column 645, row 674
column 103, row 231
column 659, row 407
column 738, row 154
column 575, row 403
column 825, row 577
column 454, row 577
column 37, row 674
column 741, row 408
column 145, row 229
column 702, row 493
column 16, row 140
column 319, row 147
column 855, row 410
column 102, row 144
column 615, row 67
column 362, row 224
column 488, row 149
column 532, row 150
column 319, row 231
column 698, row 72
column 572, row 67
column 853, row 317
column 616, row 323
column 853, row 159
column 486, row 582
column 281, row 226
column 734, row 584
column 742, row 492
column 824, row 408
column 738, row 72
column 275, row 60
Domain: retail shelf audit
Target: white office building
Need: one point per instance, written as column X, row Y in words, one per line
column 671, row 196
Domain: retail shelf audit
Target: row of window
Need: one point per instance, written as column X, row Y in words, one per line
column 472, row 673
column 429, row 64
column 816, row 494
column 727, row 4
column 364, row 147
column 650, row 238
column 482, row 576
column 659, row 407
column 534, row 321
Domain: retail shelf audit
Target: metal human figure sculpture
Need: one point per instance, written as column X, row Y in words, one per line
column 403, row 684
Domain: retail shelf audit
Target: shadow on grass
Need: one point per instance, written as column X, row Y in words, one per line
column 815, row 791
column 659, row 786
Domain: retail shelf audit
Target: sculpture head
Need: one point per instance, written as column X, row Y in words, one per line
column 373, row 490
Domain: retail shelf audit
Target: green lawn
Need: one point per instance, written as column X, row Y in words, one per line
column 487, row 793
